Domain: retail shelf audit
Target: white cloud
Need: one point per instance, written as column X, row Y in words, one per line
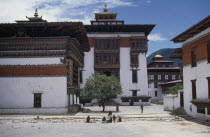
column 56, row 10
column 156, row 37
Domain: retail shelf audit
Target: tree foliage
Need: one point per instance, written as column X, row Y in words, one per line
column 102, row 88
column 174, row 89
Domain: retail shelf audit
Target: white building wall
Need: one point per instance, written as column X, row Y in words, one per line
column 126, row 76
column 199, row 74
column 88, row 69
column 30, row 61
column 17, row 94
column 171, row 102
column 152, row 90
column 125, row 71
column 142, row 75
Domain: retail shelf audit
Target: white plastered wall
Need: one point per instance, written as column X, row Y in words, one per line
column 17, row 94
column 199, row 74
column 152, row 90
column 88, row 69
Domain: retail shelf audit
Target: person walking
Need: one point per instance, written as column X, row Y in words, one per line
column 142, row 108
column 114, row 118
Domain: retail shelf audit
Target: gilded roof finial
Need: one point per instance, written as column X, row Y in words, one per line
column 105, row 8
column 158, row 56
column 36, row 13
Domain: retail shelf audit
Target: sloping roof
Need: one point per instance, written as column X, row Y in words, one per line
column 192, row 31
column 171, row 82
column 177, row 53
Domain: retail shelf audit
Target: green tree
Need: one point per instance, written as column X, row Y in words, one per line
column 174, row 89
column 102, row 88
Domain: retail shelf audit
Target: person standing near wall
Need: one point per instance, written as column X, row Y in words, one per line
column 142, row 108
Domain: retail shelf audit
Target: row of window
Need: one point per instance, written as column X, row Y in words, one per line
column 107, row 23
column 43, row 53
column 134, row 93
column 135, row 99
column 107, row 58
column 160, row 77
column 107, row 44
column 115, row 43
column 137, row 43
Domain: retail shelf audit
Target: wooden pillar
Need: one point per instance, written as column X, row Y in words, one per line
column 78, row 77
column 72, row 99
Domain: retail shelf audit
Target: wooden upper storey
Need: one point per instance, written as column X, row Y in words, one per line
column 195, row 42
column 201, row 50
column 28, row 47
column 46, row 29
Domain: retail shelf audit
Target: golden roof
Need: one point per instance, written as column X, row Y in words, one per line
column 158, row 56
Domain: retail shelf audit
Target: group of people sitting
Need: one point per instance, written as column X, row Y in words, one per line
column 109, row 119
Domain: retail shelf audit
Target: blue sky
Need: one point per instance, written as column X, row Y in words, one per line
column 170, row 16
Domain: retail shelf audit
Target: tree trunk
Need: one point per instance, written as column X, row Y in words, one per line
column 103, row 107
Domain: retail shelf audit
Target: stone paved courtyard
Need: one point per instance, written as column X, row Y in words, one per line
column 153, row 123
column 151, row 109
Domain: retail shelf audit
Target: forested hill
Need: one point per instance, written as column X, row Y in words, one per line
column 166, row 53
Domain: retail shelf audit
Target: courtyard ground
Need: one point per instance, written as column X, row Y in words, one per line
column 154, row 122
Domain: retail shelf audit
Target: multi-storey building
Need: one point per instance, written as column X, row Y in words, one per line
column 40, row 65
column 161, row 72
column 196, row 68
column 119, row 49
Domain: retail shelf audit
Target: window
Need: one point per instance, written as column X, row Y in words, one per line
column 208, row 52
column 152, row 77
column 81, row 80
column 134, row 92
column 149, row 85
column 75, row 74
column 134, row 59
column 201, row 110
column 155, row 84
column 208, row 111
column 134, row 76
column 193, row 57
column 166, row 77
column 37, row 100
column 137, row 43
column 106, row 58
column 106, row 44
column 179, row 77
column 159, row 77
column 173, row 77
column 144, row 100
column 125, row 99
column 208, row 86
column 156, row 93
column 193, row 89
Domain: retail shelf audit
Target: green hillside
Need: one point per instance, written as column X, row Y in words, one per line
column 166, row 53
